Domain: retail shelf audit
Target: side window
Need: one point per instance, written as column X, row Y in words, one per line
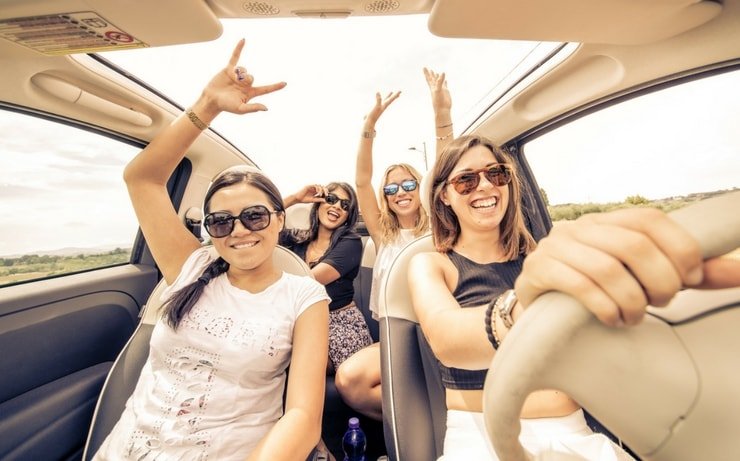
column 663, row 149
column 64, row 204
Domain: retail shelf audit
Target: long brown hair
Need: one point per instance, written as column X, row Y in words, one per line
column 515, row 238
column 389, row 226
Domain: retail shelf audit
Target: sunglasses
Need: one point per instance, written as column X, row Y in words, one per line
column 220, row 223
column 331, row 199
column 408, row 186
column 465, row 183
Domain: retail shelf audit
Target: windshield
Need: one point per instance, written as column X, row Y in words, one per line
column 333, row 69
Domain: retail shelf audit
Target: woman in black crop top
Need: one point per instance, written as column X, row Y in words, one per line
column 481, row 240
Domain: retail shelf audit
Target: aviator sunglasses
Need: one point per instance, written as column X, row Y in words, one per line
column 331, row 199
column 408, row 186
column 465, row 183
column 220, row 223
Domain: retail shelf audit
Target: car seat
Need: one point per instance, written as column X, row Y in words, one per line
column 124, row 373
column 414, row 412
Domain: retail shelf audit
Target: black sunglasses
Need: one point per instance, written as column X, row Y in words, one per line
column 331, row 199
column 408, row 186
column 465, row 183
column 220, row 223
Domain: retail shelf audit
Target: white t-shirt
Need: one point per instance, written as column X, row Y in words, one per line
column 213, row 388
column 385, row 256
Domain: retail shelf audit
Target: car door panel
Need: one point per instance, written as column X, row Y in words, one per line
column 59, row 337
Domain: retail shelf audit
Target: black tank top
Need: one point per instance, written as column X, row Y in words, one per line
column 477, row 284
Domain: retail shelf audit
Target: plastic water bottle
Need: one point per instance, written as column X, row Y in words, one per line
column 354, row 442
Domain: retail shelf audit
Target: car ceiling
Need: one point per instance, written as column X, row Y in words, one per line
column 623, row 44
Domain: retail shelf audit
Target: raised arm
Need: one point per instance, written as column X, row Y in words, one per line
column 364, row 169
column 146, row 175
column 312, row 193
column 457, row 336
column 442, row 105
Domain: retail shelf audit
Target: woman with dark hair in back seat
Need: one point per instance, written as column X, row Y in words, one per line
column 333, row 250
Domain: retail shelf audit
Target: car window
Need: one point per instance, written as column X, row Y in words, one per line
column 64, row 203
column 664, row 149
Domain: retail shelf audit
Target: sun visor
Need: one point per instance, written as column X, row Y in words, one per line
column 619, row 22
column 106, row 25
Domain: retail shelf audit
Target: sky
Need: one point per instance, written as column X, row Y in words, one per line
column 657, row 146
column 333, row 69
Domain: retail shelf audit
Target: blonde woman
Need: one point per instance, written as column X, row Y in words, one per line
column 393, row 218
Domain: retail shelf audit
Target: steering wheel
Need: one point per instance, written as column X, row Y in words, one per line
column 667, row 387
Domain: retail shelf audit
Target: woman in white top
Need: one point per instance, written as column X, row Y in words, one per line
column 214, row 381
column 393, row 219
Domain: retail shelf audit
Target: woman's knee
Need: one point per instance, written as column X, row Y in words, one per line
column 357, row 373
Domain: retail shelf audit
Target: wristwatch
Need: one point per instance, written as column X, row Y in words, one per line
column 506, row 303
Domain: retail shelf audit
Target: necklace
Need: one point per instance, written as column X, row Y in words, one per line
column 314, row 253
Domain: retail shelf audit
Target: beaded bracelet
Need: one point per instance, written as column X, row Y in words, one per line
column 490, row 327
column 442, row 138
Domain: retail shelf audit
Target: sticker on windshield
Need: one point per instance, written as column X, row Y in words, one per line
column 66, row 33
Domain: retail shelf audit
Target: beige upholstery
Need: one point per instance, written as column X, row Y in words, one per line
column 413, row 397
column 298, row 216
column 395, row 297
column 424, row 189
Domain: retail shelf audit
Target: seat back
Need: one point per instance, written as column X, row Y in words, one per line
column 124, row 373
column 363, row 283
column 414, row 412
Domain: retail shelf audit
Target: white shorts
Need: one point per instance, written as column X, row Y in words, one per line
column 466, row 438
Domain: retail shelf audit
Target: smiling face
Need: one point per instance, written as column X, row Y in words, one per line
column 484, row 208
column 332, row 215
column 244, row 249
column 403, row 203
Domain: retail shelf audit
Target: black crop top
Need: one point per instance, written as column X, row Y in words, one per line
column 477, row 284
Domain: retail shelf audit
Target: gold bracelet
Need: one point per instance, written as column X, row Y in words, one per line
column 445, row 126
column 442, row 138
column 196, row 120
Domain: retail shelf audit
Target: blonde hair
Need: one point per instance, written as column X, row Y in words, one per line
column 389, row 226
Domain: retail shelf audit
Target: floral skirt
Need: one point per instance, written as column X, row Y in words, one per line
column 348, row 333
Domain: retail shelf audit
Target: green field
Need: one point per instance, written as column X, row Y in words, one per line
column 32, row 267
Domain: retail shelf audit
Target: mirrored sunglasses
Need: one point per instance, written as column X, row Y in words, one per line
column 408, row 186
column 465, row 183
column 220, row 223
column 331, row 199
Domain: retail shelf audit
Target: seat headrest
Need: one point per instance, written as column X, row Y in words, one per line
column 395, row 296
column 298, row 216
column 425, row 186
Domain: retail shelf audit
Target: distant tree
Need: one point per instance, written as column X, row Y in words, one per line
column 636, row 200
column 544, row 197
